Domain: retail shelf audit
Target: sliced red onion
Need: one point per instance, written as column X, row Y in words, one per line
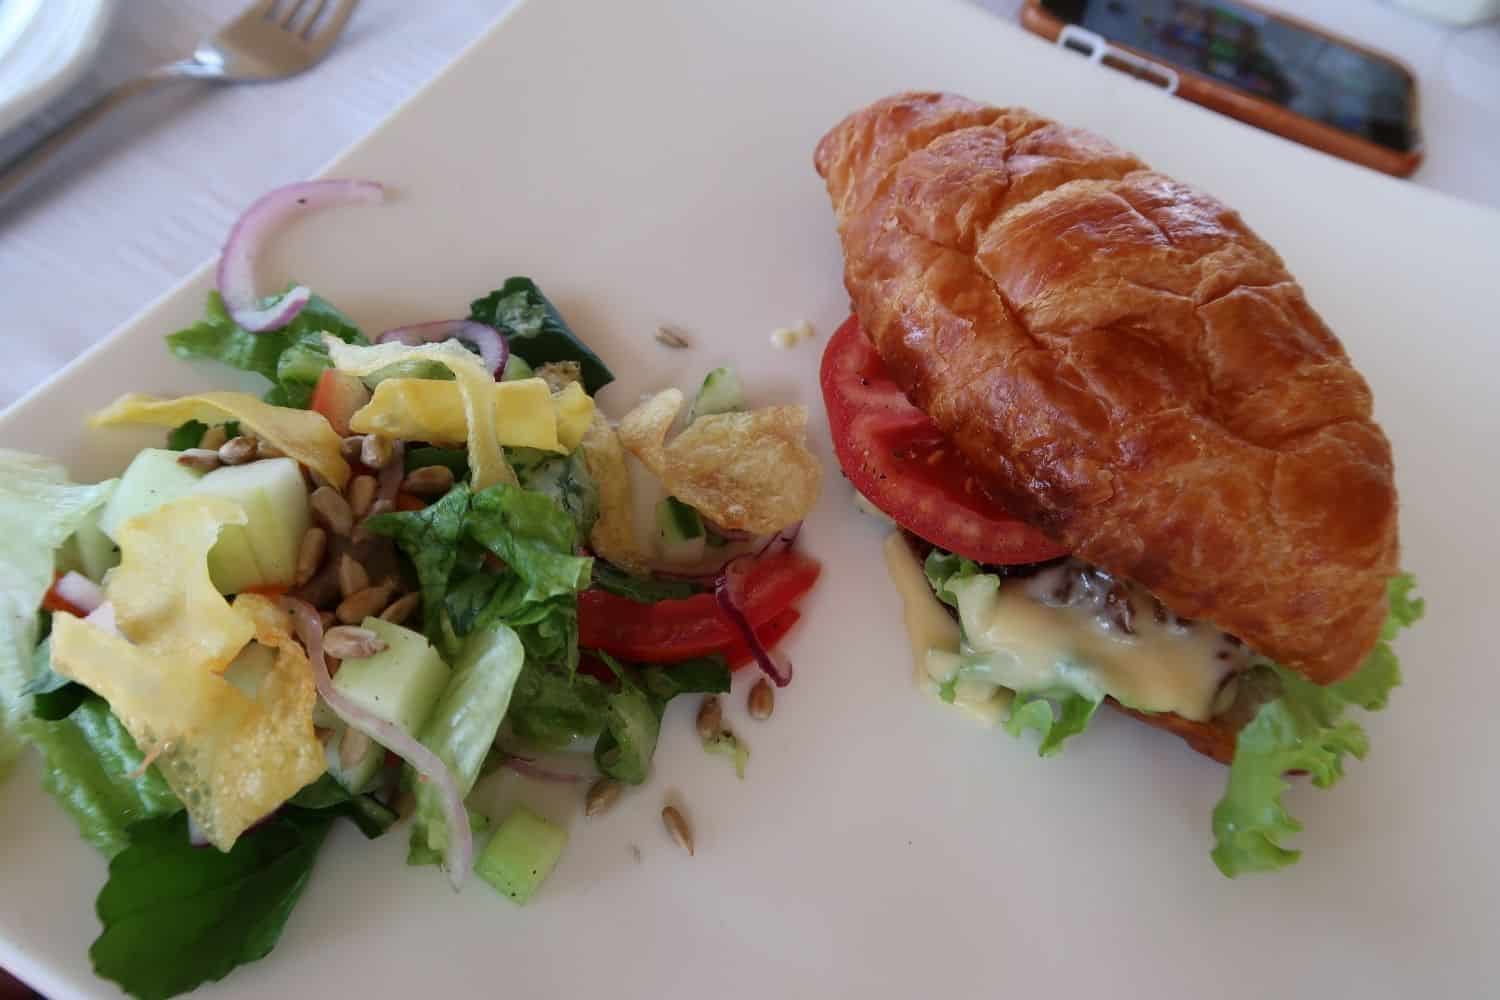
column 460, row 837
column 103, row 618
column 392, row 474
column 729, row 593
column 528, row 768
column 492, row 348
column 79, row 591
column 236, row 272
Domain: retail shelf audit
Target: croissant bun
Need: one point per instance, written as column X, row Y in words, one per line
column 1134, row 369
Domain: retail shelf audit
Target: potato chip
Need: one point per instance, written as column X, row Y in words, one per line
column 231, row 757
column 302, row 434
column 747, row 471
column 476, row 390
column 613, row 536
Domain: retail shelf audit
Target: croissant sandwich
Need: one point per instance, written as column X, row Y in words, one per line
column 1129, row 461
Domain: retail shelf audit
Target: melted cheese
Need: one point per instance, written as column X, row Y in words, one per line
column 1016, row 640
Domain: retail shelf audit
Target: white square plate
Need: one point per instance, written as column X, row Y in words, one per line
column 651, row 162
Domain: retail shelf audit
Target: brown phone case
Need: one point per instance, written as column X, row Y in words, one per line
column 1272, row 117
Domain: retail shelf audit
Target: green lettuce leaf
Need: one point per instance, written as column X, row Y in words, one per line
column 291, row 358
column 430, row 538
column 535, row 539
column 91, row 768
column 537, row 332
column 550, row 710
column 642, row 589
column 177, row 916
column 462, row 729
column 1035, row 711
column 1301, row 730
column 39, row 509
column 943, row 569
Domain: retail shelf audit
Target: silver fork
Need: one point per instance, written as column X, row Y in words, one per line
column 271, row 40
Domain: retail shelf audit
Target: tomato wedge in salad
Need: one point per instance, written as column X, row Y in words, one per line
column 903, row 464
column 672, row 631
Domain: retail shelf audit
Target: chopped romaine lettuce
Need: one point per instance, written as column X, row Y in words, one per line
column 462, row 728
column 1302, row 730
column 291, row 358
column 94, row 769
column 39, row 509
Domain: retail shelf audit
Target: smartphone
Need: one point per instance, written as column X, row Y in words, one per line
column 1272, row 71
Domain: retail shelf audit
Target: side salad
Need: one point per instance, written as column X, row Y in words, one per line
column 411, row 561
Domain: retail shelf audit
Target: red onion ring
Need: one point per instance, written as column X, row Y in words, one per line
column 235, row 277
column 493, row 350
column 460, row 838
column 528, row 768
column 392, row 475
column 729, row 593
column 79, row 591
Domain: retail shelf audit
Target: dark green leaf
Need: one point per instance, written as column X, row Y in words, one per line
column 454, row 459
column 566, row 480
column 177, row 916
column 89, row 763
column 367, row 812
column 550, row 710
column 536, row 331
column 291, row 358
column 642, row 589
column 185, row 436
column 704, row 675
column 631, row 726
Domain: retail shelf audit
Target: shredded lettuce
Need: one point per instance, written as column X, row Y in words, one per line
column 1302, row 730
column 39, row 509
column 291, row 358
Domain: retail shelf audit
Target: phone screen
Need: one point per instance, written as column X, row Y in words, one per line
column 1307, row 73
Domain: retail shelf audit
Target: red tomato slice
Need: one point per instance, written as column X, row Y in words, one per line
column 55, row 602
column 338, row 396
column 670, row 631
column 769, row 635
column 895, row 455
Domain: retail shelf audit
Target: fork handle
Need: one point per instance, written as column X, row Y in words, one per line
column 34, row 156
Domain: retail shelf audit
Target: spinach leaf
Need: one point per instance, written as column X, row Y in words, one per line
column 90, row 760
column 456, row 459
column 177, row 916
column 291, row 358
column 536, row 331
column 372, row 816
column 187, row 435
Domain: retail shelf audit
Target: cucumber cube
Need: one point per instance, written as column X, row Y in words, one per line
column 401, row 683
column 153, row 478
column 521, row 854
column 262, row 551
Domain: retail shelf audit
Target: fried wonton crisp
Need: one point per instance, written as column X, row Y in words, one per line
column 231, row 756
column 613, row 536
column 300, row 434
column 748, row 471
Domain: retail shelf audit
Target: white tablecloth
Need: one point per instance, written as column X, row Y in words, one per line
column 150, row 195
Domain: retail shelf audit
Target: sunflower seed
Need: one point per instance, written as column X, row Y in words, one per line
column 310, row 553
column 762, row 701
column 214, row 438
column 265, row 449
column 331, row 510
column 237, row 451
column 361, row 605
column 376, row 451
column 710, row 717
column 353, row 577
column 201, row 459
column 401, row 609
column 361, row 495
column 350, row 447
column 348, row 642
column 678, row 828
column 668, row 337
column 429, row 481
column 353, row 747
column 602, row 796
